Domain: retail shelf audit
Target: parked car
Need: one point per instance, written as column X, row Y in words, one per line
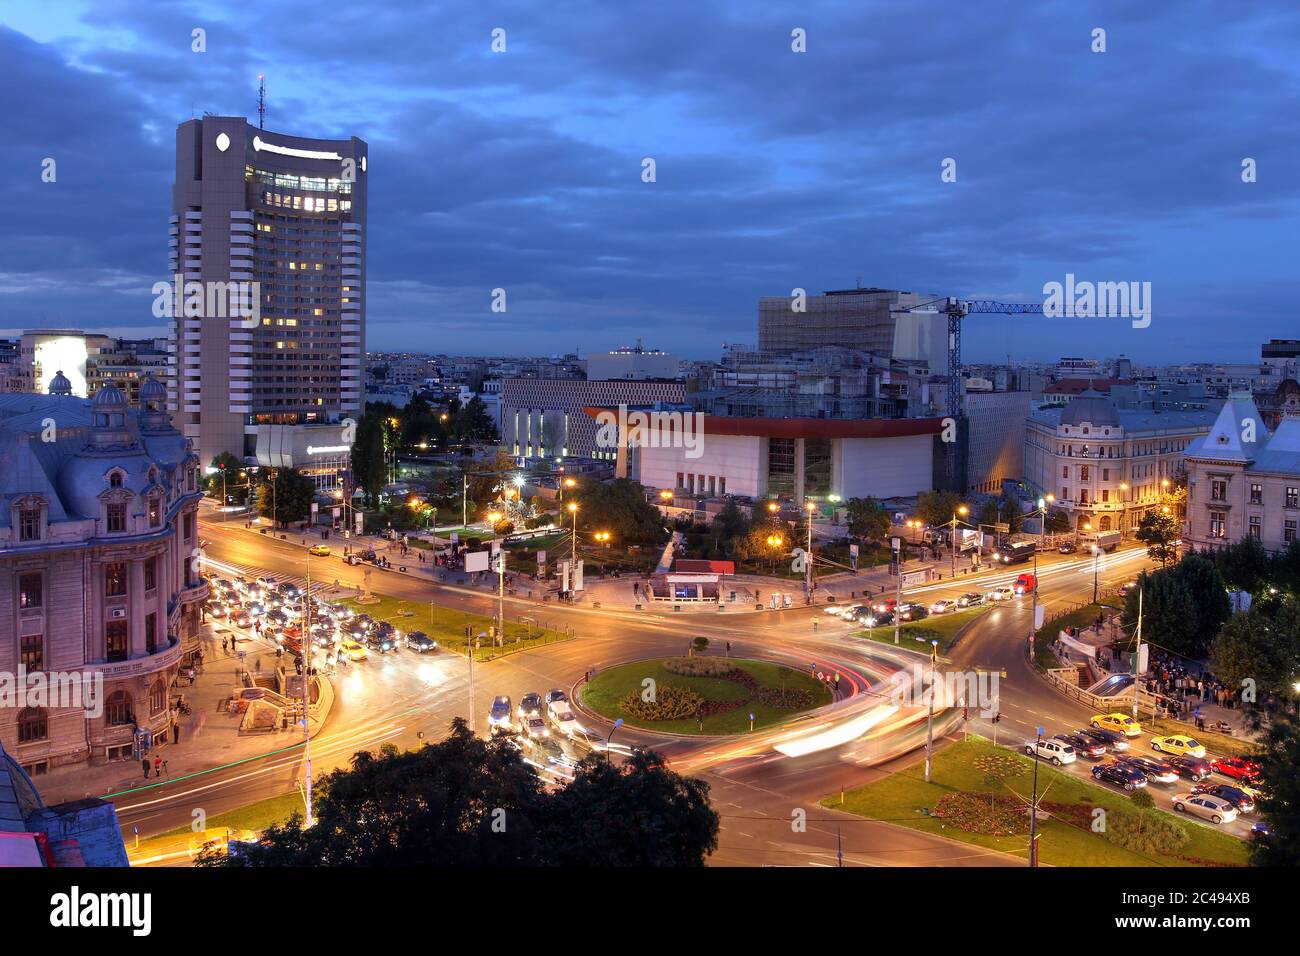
column 1205, row 806
column 970, row 599
column 1003, row 593
column 352, row 559
column 1179, row 744
column 1049, row 748
column 420, row 642
column 1156, row 771
column 319, row 550
column 1239, row 768
column 1113, row 740
column 1083, row 746
column 1194, row 769
column 499, row 715
column 1241, row 801
column 1121, row 775
column 943, row 607
column 1120, row 723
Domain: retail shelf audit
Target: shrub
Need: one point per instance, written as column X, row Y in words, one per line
column 698, row 666
column 670, row 703
column 1142, row 799
column 789, row 698
column 1145, row 832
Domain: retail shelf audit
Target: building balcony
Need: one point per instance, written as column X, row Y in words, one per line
column 169, row 656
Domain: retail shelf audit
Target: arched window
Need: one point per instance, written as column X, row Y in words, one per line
column 115, row 480
column 157, row 697
column 117, row 710
column 1105, row 522
column 32, row 725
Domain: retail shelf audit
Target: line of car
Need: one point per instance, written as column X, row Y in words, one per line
column 280, row 607
column 1181, row 758
column 881, row 612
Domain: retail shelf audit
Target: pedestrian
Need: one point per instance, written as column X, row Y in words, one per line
column 176, row 733
column 225, row 642
column 257, row 665
column 157, row 766
column 144, row 765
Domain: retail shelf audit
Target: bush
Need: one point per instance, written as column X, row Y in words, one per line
column 1142, row 799
column 1145, row 832
column 670, row 703
column 698, row 666
column 789, row 698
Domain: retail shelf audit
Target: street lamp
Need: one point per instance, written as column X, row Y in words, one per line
column 775, row 541
column 952, row 534
column 573, row 551
column 811, row 508
column 1043, row 504
column 1123, row 501
column 603, row 537
column 1033, row 805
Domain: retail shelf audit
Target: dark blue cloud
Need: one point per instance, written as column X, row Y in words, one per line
column 775, row 169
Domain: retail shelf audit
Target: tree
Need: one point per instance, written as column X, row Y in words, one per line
column 867, row 519
column 990, row 514
column 465, row 801
column 1280, row 802
column 291, row 498
column 1262, row 645
column 1245, row 565
column 1058, row 522
column 936, row 507
column 368, row 464
column 1183, row 606
column 472, row 423
column 230, row 468
column 1159, row 531
column 636, row 814
column 619, row 507
column 1011, row 514
column 731, row 523
column 489, row 478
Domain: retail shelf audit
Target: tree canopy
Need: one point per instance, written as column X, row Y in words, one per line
column 619, row 507
column 1160, row 533
column 465, row 801
column 1183, row 606
column 867, row 519
column 292, row 496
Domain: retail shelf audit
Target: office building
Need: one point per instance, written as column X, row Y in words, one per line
column 273, row 225
column 869, row 320
column 633, row 362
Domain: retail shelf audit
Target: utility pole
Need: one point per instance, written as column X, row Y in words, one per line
column 1096, row 565
column 224, row 499
column 469, row 650
column 809, row 508
column 501, row 594
column 464, row 502
column 898, row 585
column 929, row 719
column 306, row 674
column 1137, row 654
column 1033, row 806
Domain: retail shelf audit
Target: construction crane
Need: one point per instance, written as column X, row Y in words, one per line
column 956, row 310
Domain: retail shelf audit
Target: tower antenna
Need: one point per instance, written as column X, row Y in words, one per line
column 261, row 101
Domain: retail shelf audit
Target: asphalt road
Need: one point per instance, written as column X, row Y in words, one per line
column 757, row 789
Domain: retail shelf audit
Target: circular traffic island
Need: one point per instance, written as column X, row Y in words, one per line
column 702, row 695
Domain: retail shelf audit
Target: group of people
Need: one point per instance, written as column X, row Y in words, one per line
column 1180, row 688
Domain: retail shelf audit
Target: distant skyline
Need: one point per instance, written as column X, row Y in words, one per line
column 522, row 170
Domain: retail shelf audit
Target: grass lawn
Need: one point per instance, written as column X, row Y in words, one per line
column 918, row 634
column 900, row 797
column 447, row 627
column 611, row 686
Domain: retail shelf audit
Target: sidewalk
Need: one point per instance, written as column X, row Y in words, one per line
column 617, row 593
column 209, row 737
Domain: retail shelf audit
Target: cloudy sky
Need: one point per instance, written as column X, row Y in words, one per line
column 775, row 169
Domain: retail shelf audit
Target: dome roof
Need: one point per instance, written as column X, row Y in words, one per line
column 110, row 396
column 1090, row 408
column 152, row 390
column 60, row 385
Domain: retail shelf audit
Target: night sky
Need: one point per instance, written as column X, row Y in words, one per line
column 775, row 169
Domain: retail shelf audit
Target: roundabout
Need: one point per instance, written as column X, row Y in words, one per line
column 709, row 696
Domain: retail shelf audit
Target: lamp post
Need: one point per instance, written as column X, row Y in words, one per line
column 1033, row 805
column 952, row 533
column 810, row 507
column 775, row 541
column 1123, row 503
column 929, row 719
column 493, row 517
column 1043, row 504
column 573, row 549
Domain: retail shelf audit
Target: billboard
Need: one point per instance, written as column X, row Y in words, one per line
column 476, row 560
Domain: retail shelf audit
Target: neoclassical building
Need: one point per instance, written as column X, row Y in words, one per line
column 1108, row 466
column 98, row 566
column 1243, row 480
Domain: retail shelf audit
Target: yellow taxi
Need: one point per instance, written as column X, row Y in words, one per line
column 353, row 650
column 1120, row 723
column 1179, row 745
column 319, row 550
